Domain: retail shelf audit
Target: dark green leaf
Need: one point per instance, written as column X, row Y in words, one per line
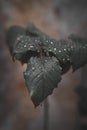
column 76, row 38
column 33, row 31
column 12, row 34
column 46, row 55
column 26, row 47
column 79, row 56
column 42, row 76
column 69, row 52
column 61, row 50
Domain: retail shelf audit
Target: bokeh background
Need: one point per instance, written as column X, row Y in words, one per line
column 58, row 18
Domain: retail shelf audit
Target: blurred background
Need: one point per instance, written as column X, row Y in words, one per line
column 67, row 104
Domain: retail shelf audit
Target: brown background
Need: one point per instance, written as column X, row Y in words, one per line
column 58, row 18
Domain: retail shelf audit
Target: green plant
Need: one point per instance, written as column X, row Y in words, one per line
column 46, row 58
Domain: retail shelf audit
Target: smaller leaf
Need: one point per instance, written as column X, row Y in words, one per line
column 79, row 54
column 33, row 31
column 76, row 38
column 41, row 77
column 12, row 35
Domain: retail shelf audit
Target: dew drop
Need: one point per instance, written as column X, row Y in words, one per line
column 31, row 46
column 50, row 50
column 63, row 59
column 25, row 46
column 18, row 38
column 54, row 49
column 64, row 49
column 45, row 60
column 72, row 47
column 38, row 51
column 51, row 42
column 21, row 36
column 59, row 50
column 33, row 68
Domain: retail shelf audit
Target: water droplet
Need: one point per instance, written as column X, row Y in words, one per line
column 38, row 76
column 50, row 50
column 33, row 68
column 64, row 49
column 21, row 36
column 25, row 46
column 31, row 46
column 51, row 42
column 18, row 38
column 54, row 49
column 38, row 50
column 72, row 47
column 59, row 50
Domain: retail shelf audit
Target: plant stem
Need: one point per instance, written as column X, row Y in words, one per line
column 46, row 115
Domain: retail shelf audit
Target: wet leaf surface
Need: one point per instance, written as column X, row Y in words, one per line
column 42, row 76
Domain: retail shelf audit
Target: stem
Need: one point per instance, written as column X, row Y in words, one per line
column 46, row 115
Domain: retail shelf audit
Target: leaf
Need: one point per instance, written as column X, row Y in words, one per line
column 77, row 39
column 26, row 47
column 11, row 36
column 41, row 77
column 79, row 55
column 47, row 58
column 33, row 31
column 69, row 52
column 61, row 49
